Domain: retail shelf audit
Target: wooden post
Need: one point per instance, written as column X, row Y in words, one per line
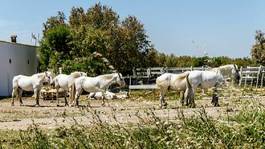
column 262, row 79
column 240, row 81
column 258, row 75
column 134, row 72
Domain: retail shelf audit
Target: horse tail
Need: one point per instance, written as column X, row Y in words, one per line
column 188, row 84
column 189, row 94
column 73, row 90
column 15, row 86
column 15, row 82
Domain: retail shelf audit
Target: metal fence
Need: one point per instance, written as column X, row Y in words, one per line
column 144, row 78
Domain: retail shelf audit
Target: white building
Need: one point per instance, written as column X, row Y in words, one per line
column 15, row 59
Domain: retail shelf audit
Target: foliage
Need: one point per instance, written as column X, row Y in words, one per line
column 171, row 60
column 258, row 49
column 123, row 42
column 86, row 64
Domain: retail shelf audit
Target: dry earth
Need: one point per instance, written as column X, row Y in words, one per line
column 127, row 111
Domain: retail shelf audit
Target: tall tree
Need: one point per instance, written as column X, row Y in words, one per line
column 99, row 29
column 258, row 49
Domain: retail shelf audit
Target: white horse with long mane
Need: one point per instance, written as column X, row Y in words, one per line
column 29, row 83
column 96, row 84
column 66, row 82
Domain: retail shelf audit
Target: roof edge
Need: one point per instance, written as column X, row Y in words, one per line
column 18, row 43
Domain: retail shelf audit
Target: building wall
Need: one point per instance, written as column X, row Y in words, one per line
column 15, row 59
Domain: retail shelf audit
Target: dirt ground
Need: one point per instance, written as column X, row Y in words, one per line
column 126, row 111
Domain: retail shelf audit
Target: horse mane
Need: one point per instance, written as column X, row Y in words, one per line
column 40, row 75
column 107, row 76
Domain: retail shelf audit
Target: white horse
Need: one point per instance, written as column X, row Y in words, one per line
column 29, row 83
column 204, row 80
column 169, row 81
column 66, row 83
column 96, row 84
column 187, row 82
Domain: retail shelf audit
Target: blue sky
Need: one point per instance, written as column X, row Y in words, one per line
column 181, row 27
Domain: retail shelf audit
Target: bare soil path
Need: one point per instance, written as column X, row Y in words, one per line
column 127, row 111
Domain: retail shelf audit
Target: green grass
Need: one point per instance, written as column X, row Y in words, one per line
column 245, row 129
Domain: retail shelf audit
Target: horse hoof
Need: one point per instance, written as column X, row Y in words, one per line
column 12, row 104
column 191, row 105
column 215, row 104
column 164, row 106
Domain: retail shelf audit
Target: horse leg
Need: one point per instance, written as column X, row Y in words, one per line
column 65, row 99
column 37, row 93
column 163, row 103
column 182, row 97
column 57, row 97
column 103, row 99
column 14, row 95
column 215, row 98
column 20, row 92
column 71, row 95
column 77, row 95
column 189, row 97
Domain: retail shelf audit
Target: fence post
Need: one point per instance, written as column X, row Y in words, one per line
column 240, row 81
column 134, row 72
column 262, row 77
column 258, row 75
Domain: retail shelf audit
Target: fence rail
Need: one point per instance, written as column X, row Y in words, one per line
column 144, row 78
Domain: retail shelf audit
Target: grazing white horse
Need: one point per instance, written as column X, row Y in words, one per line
column 96, row 84
column 66, row 83
column 29, row 83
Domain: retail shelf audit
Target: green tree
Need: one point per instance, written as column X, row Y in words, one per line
column 258, row 49
column 69, row 44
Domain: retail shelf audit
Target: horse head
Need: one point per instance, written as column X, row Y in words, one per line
column 119, row 80
column 48, row 77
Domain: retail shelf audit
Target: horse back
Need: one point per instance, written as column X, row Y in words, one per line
column 172, row 81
